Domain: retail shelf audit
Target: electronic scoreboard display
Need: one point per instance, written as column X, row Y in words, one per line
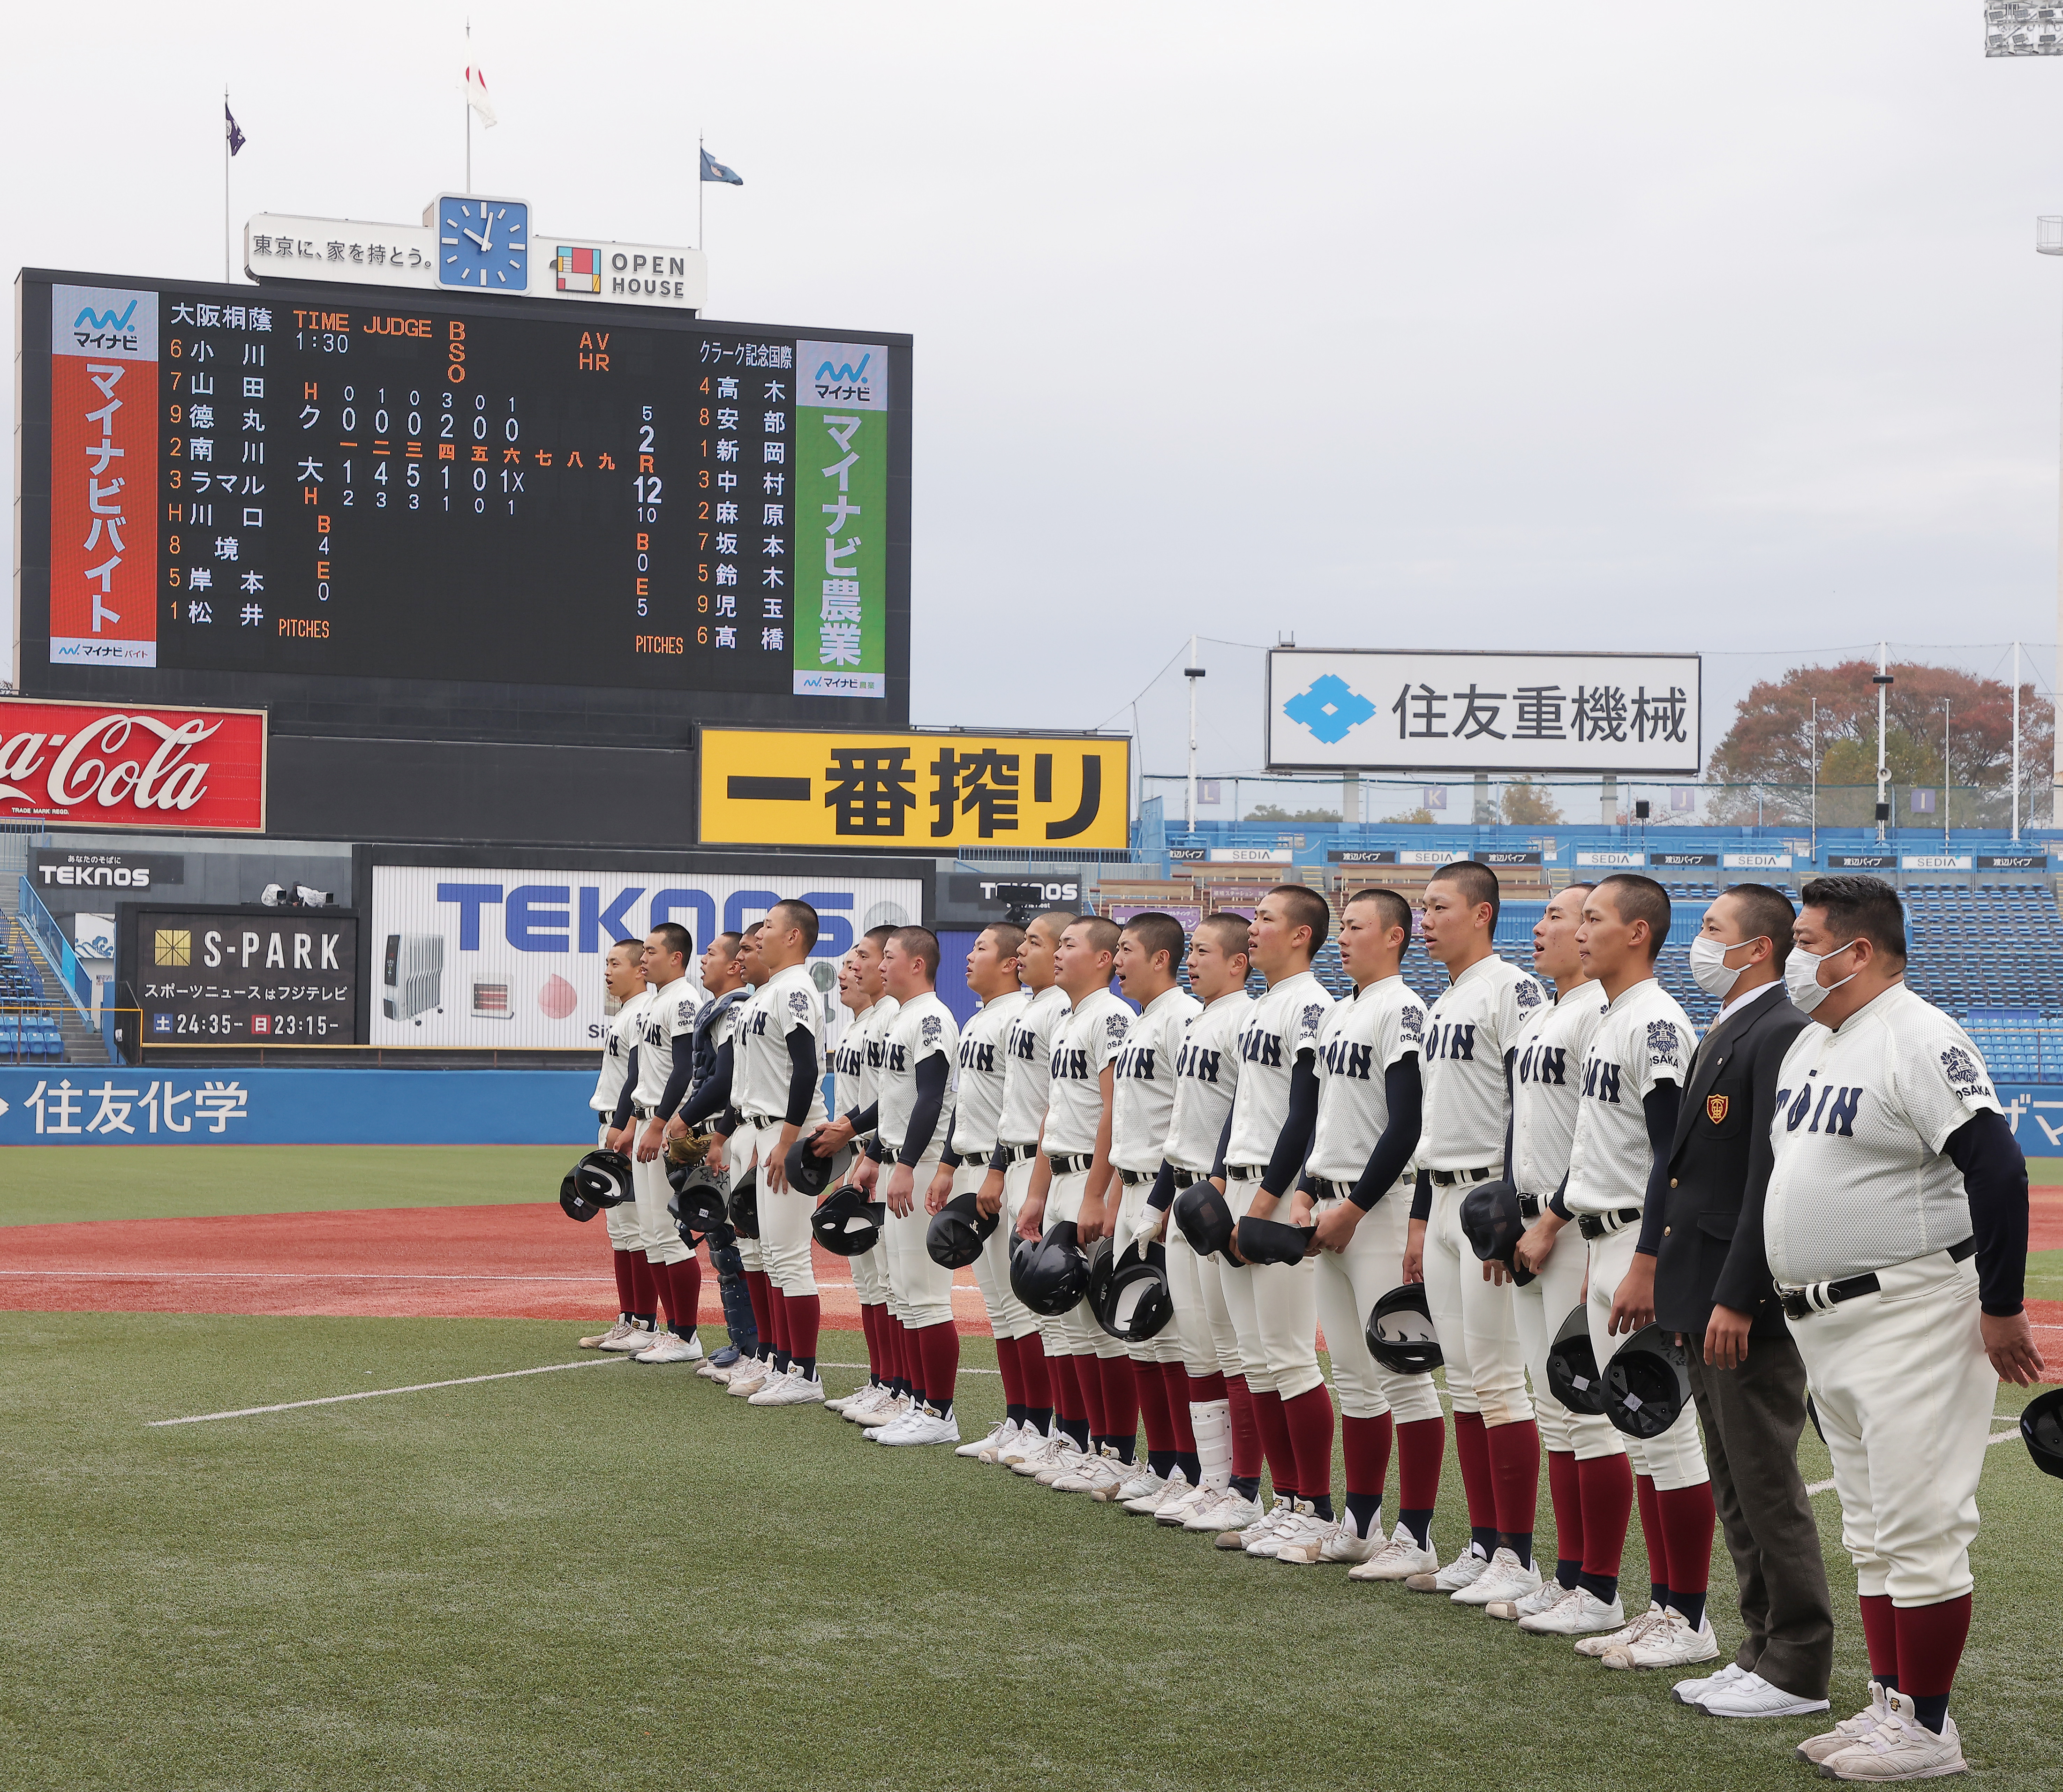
column 364, row 483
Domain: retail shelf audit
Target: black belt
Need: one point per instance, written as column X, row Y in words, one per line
column 1603, row 1225
column 1012, row 1154
column 640, row 1113
column 1447, row 1178
column 1327, row 1190
column 1817, row 1297
column 762, row 1119
column 1188, row 1179
column 1136, row 1179
column 1528, row 1207
column 1245, row 1172
column 1069, row 1163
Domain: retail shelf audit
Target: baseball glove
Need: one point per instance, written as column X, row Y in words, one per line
column 688, row 1152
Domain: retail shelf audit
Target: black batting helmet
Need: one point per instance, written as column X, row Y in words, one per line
column 604, row 1178
column 847, row 1224
column 1264, row 1241
column 574, row 1199
column 1399, row 1331
column 1050, row 1274
column 807, row 1173
column 697, row 1205
column 1572, row 1365
column 2042, row 1430
column 1648, row 1384
column 1490, row 1221
column 744, row 1207
column 1133, row 1303
column 1205, row 1217
column 958, row 1230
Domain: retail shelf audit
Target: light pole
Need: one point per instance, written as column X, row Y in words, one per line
column 1883, row 682
column 1192, row 672
column 2049, row 241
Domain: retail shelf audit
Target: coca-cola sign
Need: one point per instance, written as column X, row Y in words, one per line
column 102, row 765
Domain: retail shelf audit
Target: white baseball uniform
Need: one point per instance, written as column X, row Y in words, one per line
column 760, row 1068
column 621, row 1035
column 920, row 1293
column 669, row 1014
column 1206, row 1077
column 1642, row 1038
column 984, row 1062
column 1084, row 1043
column 1028, row 1088
column 858, row 1059
column 1142, row 1104
column 1900, row 1377
column 1358, row 1042
column 1545, row 1081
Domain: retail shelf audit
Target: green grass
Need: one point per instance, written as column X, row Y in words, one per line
column 49, row 1183
column 617, row 1578
column 2044, row 1276
column 2045, row 1172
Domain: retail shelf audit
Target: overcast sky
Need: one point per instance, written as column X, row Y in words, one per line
column 1710, row 327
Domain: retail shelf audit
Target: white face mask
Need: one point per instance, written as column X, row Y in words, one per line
column 1801, row 977
column 1709, row 969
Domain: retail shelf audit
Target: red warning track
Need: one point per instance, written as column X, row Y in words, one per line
column 410, row 1262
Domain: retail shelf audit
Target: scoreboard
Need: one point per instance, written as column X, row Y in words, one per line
column 360, row 483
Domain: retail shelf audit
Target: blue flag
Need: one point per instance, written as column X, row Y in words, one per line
column 236, row 136
column 715, row 169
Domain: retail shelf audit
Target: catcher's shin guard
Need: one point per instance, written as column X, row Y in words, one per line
column 736, row 1297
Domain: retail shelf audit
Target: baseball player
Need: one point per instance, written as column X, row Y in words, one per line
column 1149, row 947
column 637, row 1294
column 984, row 1046
column 1026, row 1088
column 1895, row 1223
column 1358, row 1188
column 1589, row 1486
column 1619, row 1158
column 777, row 1094
column 1070, row 1180
column 754, row 1372
column 1472, row 1034
column 1274, row 1306
column 1226, row 1443
column 665, row 1064
column 911, row 1126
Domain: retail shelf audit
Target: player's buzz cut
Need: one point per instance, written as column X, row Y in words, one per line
column 796, row 913
column 882, row 935
column 750, row 931
column 675, row 938
column 1863, row 908
column 920, row 943
column 1765, row 912
column 1634, row 898
column 1008, row 936
column 729, row 943
column 1395, row 911
column 1158, row 932
column 1307, row 909
column 633, row 946
column 1476, row 881
column 1099, row 930
column 1229, row 930
column 1053, row 923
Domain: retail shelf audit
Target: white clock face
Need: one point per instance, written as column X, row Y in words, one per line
column 484, row 243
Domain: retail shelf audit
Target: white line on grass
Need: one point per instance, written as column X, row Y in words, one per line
column 374, row 1393
column 1996, row 1438
column 343, row 1275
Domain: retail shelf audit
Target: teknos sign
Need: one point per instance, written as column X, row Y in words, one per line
column 117, row 765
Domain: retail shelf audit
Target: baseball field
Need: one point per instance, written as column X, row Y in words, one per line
column 479, row 1557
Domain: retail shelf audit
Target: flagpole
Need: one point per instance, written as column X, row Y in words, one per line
column 469, row 107
column 225, row 186
column 700, row 152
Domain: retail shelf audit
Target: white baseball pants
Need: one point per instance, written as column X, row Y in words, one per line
column 784, row 1218
column 1274, row 1309
column 1677, row 1457
column 1348, row 1283
column 1135, row 1218
column 920, row 1293
column 1473, row 1320
column 870, row 1269
column 1904, row 1393
column 1008, row 1317
column 1202, row 1322
column 626, row 1230
column 1541, row 1307
column 655, row 1231
column 1080, row 1334
column 1016, row 1186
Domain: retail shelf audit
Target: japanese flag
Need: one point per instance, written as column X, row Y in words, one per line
column 475, row 96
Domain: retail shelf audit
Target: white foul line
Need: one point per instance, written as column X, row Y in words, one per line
column 1996, row 1438
column 374, row 1393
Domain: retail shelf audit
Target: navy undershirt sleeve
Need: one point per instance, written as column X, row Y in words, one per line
column 712, row 1095
column 1995, row 1173
column 931, row 1078
column 620, row 1117
column 1225, row 1141
column 1162, row 1195
column 803, row 1074
column 1661, row 1106
column 1421, row 1197
column 684, row 1069
column 1391, row 1155
column 1293, row 1144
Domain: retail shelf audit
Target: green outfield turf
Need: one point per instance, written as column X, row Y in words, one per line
column 2044, row 1276
column 615, row 1578
column 49, row 1183
column 2045, row 1172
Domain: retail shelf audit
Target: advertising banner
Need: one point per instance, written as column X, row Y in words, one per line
column 104, row 765
column 240, row 976
column 511, row 956
column 842, row 596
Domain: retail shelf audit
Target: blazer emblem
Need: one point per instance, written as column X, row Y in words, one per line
column 1716, row 1108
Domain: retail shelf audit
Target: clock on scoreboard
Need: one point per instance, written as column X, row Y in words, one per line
column 385, row 484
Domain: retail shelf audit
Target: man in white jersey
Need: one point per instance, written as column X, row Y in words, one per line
column 1895, row 1223
column 1356, row 1188
column 1070, row 1180
column 984, row 1061
column 1472, row 1034
column 912, row 1120
column 776, row 1095
column 1273, row 1306
column 1206, row 1076
column 1587, row 1475
column 1618, row 1160
column 1027, row 1083
column 637, row 1294
column 1149, row 947
column 708, row 1095
column 759, row 1361
column 651, row 1096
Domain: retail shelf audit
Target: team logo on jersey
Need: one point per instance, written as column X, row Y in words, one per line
column 1312, row 1016
column 935, row 1029
column 1528, row 994
column 1716, row 1108
column 1663, row 1047
column 799, row 1004
column 1114, row 1026
column 1961, row 1070
column 1411, row 1023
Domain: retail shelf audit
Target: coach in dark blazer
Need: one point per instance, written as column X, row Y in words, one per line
column 1712, row 1285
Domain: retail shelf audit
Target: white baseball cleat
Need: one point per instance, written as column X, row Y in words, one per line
column 1227, row 1511
column 1261, row 1531
column 883, row 1412
column 1146, row 1504
column 1098, row 1475
column 1065, row 1459
column 795, row 1388
column 872, row 1405
column 990, row 1439
column 1140, row 1483
column 1582, row 1614
column 599, row 1340
column 1550, row 1594
column 706, row 1368
column 1603, row 1638
column 1399, row 1559
column 629, row 1337
column 1669, row 1644
column 1899, row 1746
column 1504, row 1579
column 1181, row 1503
column 1849, row 1731
column 1464, row 1570
column 1305, row 1531
column 1697, row 1691
column 1009, row 1450
column 749, row 1376
column 1751, row 1696
column 1342, row 1544
column 923, row 1426
column 671, row 1347
column 1038, row 1455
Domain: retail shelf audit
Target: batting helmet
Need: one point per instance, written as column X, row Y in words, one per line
column 807, row 1173
column 1263, row 1241
column 1647, row 1384
column 744, row 1207
column 1050, row 1274
column 697, row 1205
column 572, row 1200
column 847, row 1224
column 2042, row 1430
column 958, row 1230
column 1134, row 1303
column 1201, row 1210
column 1490, row 1220
column 1572, row 1365
column 1399, row 1331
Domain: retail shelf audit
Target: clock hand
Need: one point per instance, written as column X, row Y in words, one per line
column 484, row 245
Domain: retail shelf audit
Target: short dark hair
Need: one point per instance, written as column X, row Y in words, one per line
column 880, row 935
column 1396, row 911
column 1476, row 881
column 1583, row 884
column 1103, row 931
column 631, row 944
column 677, row 937
column 1229, row 930
column 1061, row 919
column 1307, row 909
column 750, row 931
column 1863, row 908
column 1766, row 911
column 1634, row 898
column 1009, row 936
column 1159, row 933
column 800, row 914
column 920, row 943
